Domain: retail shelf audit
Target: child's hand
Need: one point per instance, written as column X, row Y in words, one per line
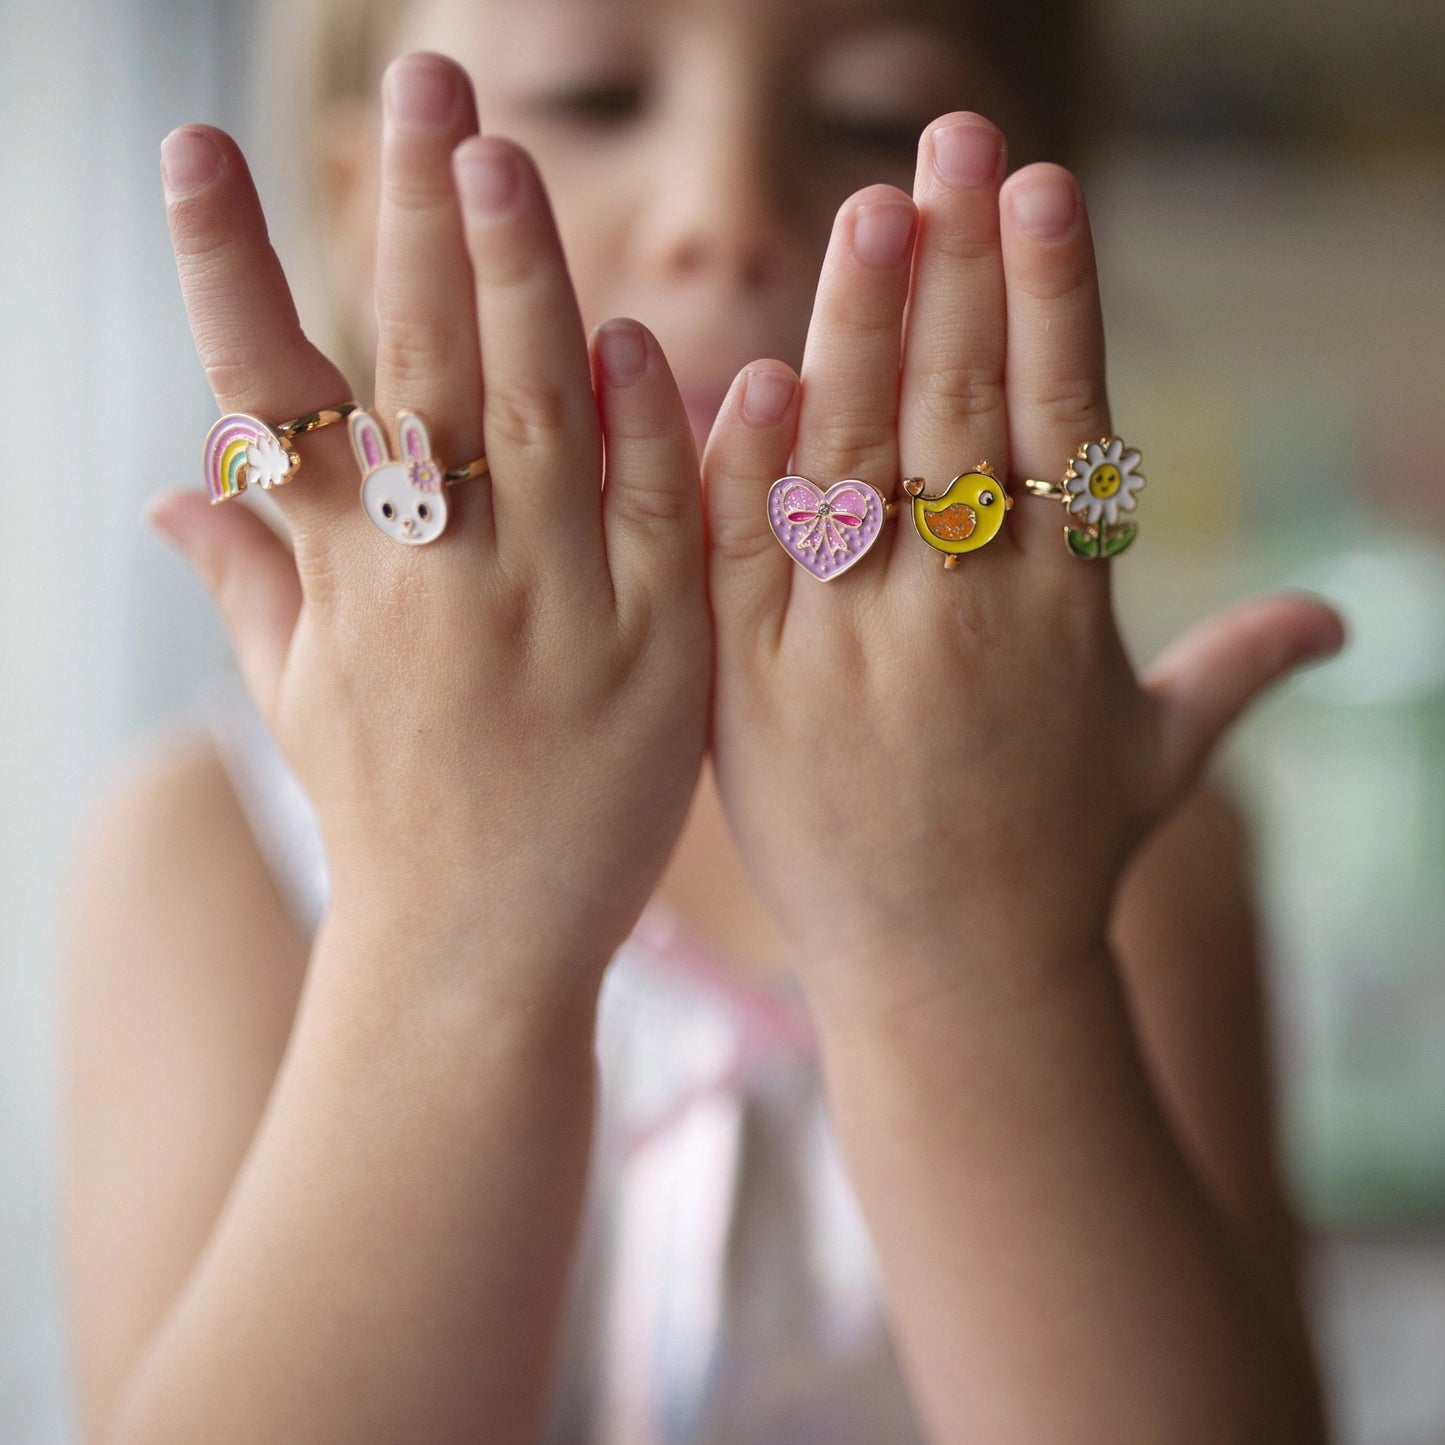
column 500, row 730
column 920, row 764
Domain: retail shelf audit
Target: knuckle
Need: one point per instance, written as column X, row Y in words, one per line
column 418, row 191
column 1078, row 403
column 971, row 244
column 231, row 371
column 504, row 262
column 414, row 347
column 528, row 416
column 868, row 316
column 650, row 505
column 851, row 443
column 1062, row 280
column 961, row 391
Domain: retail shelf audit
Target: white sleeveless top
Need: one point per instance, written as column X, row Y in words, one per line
column 725, row 1290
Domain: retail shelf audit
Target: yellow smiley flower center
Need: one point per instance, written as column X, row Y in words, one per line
column 1104, row 480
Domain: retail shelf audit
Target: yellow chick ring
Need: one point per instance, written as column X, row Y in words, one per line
column 965, row 516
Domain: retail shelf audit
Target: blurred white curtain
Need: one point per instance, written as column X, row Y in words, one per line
column 105, row 403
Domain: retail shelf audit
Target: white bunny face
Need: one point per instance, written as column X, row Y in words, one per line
column 406, row 498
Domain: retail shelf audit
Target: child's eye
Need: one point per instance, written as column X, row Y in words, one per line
column 881, row 134
column 600, row 104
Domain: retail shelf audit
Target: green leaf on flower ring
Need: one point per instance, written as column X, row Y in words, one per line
column 1081, row 544
column 1120, row 540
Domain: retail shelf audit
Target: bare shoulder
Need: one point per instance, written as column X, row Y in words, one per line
column 182, row 970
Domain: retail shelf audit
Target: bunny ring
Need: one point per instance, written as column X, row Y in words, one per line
column 241, row 449
column 405, row 498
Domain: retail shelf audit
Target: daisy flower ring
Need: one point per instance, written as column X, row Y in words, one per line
column 1101, row 485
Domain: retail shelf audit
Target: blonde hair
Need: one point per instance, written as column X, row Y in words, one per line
column 324, row 60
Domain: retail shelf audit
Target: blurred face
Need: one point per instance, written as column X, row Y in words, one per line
column 696, row 150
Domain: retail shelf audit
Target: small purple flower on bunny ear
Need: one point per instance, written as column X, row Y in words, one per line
column 424, row 474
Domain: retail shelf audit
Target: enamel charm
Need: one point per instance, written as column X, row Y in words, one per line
column 241, row 450
column 1102, row 482
column 406, row 498
column 825, row 533
column 967, row 515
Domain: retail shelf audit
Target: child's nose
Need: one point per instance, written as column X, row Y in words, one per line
column 720, row 215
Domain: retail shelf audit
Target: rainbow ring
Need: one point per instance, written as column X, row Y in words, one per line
column 241, row 449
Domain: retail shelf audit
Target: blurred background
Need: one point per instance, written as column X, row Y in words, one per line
column 1271, row 217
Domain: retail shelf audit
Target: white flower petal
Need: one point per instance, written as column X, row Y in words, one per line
column 1078, row 484
column 1079, row 503
column 1115, row 451
column 1129, row 461
column 1094, row 453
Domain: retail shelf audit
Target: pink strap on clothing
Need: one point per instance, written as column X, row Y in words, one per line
column 769, row 1025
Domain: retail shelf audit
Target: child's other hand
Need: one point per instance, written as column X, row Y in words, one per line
column 925, row 767
column 500, row 730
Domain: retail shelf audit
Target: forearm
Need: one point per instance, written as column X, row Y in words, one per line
column 393, row 1258
column 1053, row 1269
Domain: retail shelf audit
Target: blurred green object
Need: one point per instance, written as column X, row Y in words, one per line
column 1347, row 782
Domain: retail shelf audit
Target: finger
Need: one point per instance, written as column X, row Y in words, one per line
column 249, row 573
column 951, row 410
column 540, row 417
column 427, row 355
column 749, row 574
column 651, row 500
column 1206, row 679
column 243, row 319
column 848, row 422
column 1057, row 398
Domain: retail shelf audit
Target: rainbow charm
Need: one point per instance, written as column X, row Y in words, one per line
column 242, row 449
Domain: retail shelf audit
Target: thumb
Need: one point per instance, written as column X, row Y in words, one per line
column 248, row 571
column 1207, row 678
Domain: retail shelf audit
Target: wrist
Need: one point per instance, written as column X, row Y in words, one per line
column 913, row 981
column 459, row 967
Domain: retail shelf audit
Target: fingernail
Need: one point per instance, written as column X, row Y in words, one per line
column 882, row 233
column 1047, row 207
column 189, row 158
column 155, row 521
column 487, row 179
column 419, row 92
column 968, row 153
column 622, row 349
column 766, row 395
column 1328, row 638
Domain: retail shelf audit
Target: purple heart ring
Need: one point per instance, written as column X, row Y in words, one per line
column 825, row 532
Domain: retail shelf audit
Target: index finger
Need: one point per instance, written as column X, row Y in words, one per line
column 243, row 318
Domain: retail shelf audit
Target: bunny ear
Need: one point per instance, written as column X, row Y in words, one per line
column 368, row 440
column 411, row 434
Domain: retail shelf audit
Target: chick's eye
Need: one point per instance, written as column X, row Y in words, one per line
column 985, row 499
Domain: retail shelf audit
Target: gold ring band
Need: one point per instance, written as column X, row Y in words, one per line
column 468, row 473
column 1044, row 489
column 315, row 420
